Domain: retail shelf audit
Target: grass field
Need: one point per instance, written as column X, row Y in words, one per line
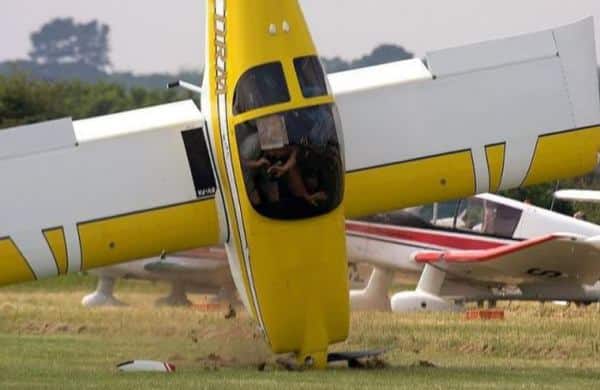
column 49, row 341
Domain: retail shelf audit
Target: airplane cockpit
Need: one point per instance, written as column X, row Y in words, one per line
column 473, row 215
column 484, row 216
column 291, row 159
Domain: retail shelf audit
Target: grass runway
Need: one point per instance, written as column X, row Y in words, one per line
column 47, row 340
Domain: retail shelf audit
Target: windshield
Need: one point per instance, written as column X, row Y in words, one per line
column 488, row 217
column 292, row 162
column 259, row 87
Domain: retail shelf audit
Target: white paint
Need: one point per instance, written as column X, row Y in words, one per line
column 36, row 138
column 492, row 54
column 181, row 114
column 390, row 119
column 431, row 280
column 123, row 168
column 578, row 57
column 375, row 296
column 146, row 366
column 518, row 157
column 413, row 301
column 482, row 175
column 73, row 247
column 379, row 76
column 578, row 195
column 36, row 251
column 536, row 221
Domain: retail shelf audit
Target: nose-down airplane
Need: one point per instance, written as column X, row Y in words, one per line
column 267, row 170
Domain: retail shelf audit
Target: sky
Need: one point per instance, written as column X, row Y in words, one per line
column 154, row 36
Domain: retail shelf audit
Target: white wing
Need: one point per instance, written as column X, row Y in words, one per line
column 474, row 119
column 578, row 195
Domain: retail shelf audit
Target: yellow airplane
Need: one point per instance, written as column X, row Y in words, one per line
column 266, row 169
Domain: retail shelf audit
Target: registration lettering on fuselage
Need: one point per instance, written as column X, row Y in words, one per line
column 221, row 51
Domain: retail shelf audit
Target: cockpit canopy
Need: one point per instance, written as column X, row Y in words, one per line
column 474, row 215
column 261, row 86
column 291, row 160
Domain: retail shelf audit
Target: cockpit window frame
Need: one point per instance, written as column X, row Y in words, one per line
column 312, row 169
column 278, row 70
column 305, row 84
column 504, row 218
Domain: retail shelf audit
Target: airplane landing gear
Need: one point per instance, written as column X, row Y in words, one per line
column 177, row 297
column 103, row 296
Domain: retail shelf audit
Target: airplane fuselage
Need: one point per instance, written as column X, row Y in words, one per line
column 284, row 234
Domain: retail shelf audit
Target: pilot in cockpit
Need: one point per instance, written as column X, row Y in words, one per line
column 283, row 157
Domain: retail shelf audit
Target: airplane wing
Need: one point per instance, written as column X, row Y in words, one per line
column 100, row 191
column 548, row 258
column 578, row 195
column 472, row 119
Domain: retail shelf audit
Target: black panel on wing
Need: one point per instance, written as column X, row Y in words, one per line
column 200, row 165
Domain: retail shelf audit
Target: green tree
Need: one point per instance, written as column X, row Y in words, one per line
column 24, row 100
column 63, row 41
column 382, row 54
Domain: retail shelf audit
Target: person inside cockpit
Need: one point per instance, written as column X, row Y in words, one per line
column 283, row 157
column 255, row 171
column 291, row 160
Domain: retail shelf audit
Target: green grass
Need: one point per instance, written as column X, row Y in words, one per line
column 49, row 341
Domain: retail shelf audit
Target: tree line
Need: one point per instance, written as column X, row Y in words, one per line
column 24, row 100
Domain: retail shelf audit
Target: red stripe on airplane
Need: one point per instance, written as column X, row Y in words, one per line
column 478, row 256
column 447, row 240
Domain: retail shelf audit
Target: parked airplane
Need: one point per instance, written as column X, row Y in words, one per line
column 205, row 271
column 590, row 196
column 267, row 170
column 483, row 248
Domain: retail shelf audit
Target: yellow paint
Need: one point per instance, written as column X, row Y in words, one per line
column 299, row 269
column 300, row 279
column 58, row 245
column 411, row 183
column 495, row 161
column 265, row 111
column 14, row 266
column 577, row 150
column 148, row 233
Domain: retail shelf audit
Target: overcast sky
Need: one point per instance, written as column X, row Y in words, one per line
column 150, row 35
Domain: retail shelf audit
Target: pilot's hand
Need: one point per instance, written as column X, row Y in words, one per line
column 263, row 162
column 315, row 198
column 277, row 171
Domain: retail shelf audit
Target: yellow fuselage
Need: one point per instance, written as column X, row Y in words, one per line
column 296, row 265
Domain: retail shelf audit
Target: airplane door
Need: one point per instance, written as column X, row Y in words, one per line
column 200, row 161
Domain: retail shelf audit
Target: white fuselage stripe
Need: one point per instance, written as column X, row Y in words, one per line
column 224, row 127
column 481, row 170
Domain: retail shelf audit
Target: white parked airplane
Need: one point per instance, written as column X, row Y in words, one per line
column 204, row 271
column 484, row 248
